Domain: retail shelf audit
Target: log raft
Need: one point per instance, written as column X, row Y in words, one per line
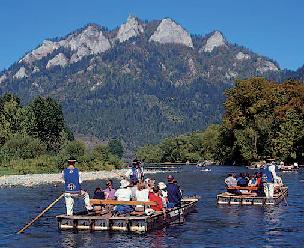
column 133, row 222
column 249, row 198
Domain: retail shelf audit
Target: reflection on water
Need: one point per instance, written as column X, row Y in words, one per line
column 209, row 226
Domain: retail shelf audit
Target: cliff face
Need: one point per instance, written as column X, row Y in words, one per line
column 170, row 32
column 146, row 80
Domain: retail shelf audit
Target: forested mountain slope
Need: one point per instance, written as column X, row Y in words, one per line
column 140, row 82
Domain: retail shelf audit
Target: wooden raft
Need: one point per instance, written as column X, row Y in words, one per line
column 251, row 199
column 107, row 221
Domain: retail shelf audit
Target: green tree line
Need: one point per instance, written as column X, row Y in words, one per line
column 262, row 119
column 34, row 138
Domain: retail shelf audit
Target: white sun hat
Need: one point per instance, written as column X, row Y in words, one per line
column 162, row 185
column 124, row 183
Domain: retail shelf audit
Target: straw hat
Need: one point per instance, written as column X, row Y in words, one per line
column 162, row 185
column 124, row 183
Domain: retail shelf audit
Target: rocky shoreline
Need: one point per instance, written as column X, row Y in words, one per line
column 36, row 179
column 30, row 180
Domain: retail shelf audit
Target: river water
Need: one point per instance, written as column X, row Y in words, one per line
column 210, row 226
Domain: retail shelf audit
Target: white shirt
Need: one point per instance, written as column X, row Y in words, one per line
column 231, row 181
column 142, row 195
column 124, row 194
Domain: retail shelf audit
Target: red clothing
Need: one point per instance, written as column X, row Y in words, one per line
column 158, row 200
column 259, row 181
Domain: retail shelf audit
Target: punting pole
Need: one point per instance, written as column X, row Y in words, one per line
column 39, row 215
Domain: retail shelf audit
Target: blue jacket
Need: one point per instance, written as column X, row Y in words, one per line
column 174, row 194
column 242, row 182
column 71, row 180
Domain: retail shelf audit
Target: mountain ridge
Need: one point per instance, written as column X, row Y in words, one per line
column 119, row 83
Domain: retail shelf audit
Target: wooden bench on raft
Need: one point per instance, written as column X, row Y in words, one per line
column 248, row 188
column 115, row 202
column 130, row 203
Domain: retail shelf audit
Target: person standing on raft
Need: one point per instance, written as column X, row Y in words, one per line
column 135, row 173
column 72, row 187
column 268, row 177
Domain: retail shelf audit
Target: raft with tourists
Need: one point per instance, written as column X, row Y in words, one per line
column 288, row 167
column 138, row 205
column 262, row 188
column 132, row 222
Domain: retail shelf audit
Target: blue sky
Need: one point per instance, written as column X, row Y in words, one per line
column 273, row 28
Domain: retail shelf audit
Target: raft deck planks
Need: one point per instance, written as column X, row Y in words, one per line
column 126, row 223
column 231, row 199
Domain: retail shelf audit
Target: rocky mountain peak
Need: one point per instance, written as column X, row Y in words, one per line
column 131, row 28
column 170, row 32
column 215, row 40
column 43, row 50
column 90, row 41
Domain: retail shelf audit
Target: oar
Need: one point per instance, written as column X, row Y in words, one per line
column 39, row 215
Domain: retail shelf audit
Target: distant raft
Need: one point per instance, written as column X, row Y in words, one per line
column 135, row 222
column 233, row 199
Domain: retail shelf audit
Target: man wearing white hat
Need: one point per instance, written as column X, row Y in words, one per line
column 72, row 187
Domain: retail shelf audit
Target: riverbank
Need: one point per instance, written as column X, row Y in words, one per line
column 36, row 179
column 30, row 180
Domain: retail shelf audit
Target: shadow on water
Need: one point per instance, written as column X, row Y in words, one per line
column 209, row 226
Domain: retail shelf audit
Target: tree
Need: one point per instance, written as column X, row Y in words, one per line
column 116, row 147
column 46, row 121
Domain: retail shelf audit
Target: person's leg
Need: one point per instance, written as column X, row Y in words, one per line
column 69, row 203
column 271, row 190
column 86, row 198
column 266, row 189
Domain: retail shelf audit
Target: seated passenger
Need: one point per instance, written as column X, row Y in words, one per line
column 174, row 194
column 99, row 194
column 123, row 194
column 141, row 194
column 252, row 181
column 155, row 197
column 163, row 193
column 231, row 181
column 109, row 191
column 241, row 181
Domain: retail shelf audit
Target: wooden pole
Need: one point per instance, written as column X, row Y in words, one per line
column 39, row 215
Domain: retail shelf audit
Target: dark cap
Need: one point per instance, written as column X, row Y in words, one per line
column 170, row 177
column 71, row 160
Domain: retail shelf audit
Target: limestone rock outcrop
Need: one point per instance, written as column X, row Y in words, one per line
column 3, row 78
column 170, row 32
column 242, row 56
column 265, row 65
column 59, row 59
column 43, row 50
column 215, row 40
column 21, row 73
column 131, row 28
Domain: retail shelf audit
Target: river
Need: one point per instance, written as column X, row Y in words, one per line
column 209, row 226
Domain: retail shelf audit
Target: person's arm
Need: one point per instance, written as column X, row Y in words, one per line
column 62, row 176
column 80, row 179
column 106, row 194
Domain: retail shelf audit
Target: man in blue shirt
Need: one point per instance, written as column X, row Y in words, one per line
column 72, row 187
column 174, row 193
